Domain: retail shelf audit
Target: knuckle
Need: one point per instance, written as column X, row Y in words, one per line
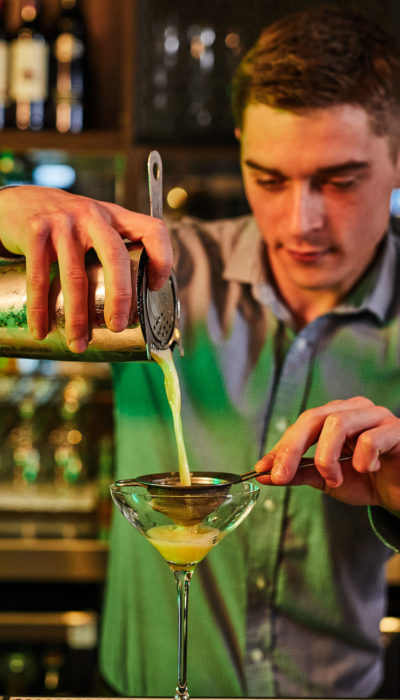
column 36, row 226
column 121, row 298
column 323, row 464
column 77, row 318
column 307, row 415
column 36, row 282
column 76, row 323
column 364, row 400
column 387, row 414
column 123, row 294
column 76, row 277
column 336, row 402
column 289, row 452
column 115, row 252
column 335, row 422
column 61, row 220
column 157, row 228
column 88, row 208
column 366, row 441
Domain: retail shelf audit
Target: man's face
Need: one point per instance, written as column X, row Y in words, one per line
column 319, row 185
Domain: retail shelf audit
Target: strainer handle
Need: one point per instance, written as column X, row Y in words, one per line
column 253, row 474
column 126, row 482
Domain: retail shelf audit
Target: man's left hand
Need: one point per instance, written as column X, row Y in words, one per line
column 353, row 426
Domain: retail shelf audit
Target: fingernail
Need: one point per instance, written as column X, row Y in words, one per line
column 332, row 483
column 37, row 333
column 79, row 345
column 279, row 471
column 118, row 323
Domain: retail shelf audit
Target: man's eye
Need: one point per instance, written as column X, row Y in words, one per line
column 342, row 183
column 270, row 183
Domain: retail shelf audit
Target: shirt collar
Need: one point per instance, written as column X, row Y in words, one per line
column 374, row 293
column 247, row 256
column 247, row 264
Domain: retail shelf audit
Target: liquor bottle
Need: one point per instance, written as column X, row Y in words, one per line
column 3, row 65
column 29, row 59
column 68, row 69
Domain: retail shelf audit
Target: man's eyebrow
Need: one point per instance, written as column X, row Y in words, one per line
column 263, row 168
column 343, row 168
column 329, row 171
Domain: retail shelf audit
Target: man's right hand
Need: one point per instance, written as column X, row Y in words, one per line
column 46, row 225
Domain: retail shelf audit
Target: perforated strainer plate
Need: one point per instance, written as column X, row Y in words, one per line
column 161, row 313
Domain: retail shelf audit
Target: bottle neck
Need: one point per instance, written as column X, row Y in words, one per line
column 68, row 4
column 29, row 11
column 2, row 18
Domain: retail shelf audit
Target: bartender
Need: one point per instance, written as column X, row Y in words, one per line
column 291, row 320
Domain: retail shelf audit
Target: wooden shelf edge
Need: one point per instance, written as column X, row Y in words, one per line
column 39, row 544
column 91, row 142
column 65, row 560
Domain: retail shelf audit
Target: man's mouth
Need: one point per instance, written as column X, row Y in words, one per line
column 308, row 255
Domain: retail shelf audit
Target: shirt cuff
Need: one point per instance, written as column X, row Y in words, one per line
column 386, row 525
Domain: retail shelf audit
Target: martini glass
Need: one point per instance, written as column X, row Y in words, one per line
column 183, row 525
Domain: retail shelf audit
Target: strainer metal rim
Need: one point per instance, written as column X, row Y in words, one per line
column 211, row 481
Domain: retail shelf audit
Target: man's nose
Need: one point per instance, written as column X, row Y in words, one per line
column 306, row 212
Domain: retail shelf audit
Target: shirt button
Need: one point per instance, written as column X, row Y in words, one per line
column 281, row 424
column 301, row 344
column 260, row 582
column 270, row 505
column 256, row 655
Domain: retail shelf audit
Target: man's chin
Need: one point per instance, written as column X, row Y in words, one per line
column 316, row 282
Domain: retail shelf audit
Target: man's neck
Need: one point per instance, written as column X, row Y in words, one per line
column 308, row 303
column 307, row 306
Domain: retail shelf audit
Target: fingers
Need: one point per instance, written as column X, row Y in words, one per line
column 303, row 434
column 37, row 285
column 154, row 235
column 74, row 284
column 330, row 426
column 116, row 264
column 337, row 428
column 381, row 440
column 64, row 227
column 158, row 247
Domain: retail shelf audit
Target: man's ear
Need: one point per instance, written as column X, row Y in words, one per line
column 238, row 133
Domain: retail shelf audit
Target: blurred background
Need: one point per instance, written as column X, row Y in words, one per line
column 87, row 89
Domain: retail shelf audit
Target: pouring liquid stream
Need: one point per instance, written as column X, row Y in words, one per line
column 165, row 360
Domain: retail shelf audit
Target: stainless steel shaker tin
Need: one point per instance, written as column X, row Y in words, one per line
column 154, row 321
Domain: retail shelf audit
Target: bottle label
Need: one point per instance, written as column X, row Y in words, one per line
column 3, row 70
column 29, row 70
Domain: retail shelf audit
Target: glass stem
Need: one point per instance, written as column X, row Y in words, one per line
column 182, row 579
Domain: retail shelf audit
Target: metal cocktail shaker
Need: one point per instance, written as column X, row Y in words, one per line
column 154, row 321
column 154, row 317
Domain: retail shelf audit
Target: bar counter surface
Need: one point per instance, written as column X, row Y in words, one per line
column 51, row 697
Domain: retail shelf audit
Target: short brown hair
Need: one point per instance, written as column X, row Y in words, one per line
column 319, row 57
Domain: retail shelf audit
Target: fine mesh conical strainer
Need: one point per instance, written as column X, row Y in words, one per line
column 189, row 505
column 185, row 505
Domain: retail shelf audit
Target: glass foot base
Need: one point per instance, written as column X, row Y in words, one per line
column 182, row 694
